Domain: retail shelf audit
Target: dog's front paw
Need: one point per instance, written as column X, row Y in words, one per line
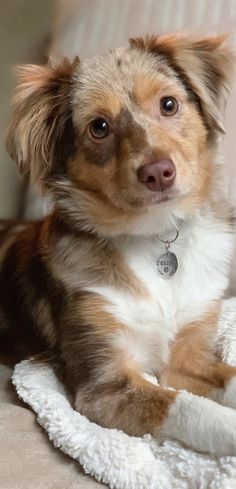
column 202, row 424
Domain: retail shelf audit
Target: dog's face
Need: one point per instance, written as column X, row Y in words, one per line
column 118, row 134
column 140, row 134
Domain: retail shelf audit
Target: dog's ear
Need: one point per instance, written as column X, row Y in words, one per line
column 204, row 66
column 41, row 136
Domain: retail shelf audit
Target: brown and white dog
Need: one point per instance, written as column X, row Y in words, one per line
column 127, row 145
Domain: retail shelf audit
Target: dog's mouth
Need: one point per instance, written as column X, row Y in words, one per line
column 160, row 197
column 149, row 198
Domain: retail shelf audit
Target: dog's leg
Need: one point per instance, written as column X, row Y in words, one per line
column 110, row 389
column 195, row 367
column 127, row 401
column 138, row 407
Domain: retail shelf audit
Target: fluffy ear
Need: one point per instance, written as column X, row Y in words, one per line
column 204, row 66
column 41, row 136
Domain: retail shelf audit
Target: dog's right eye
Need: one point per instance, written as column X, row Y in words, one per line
column 169, row 106
column 99, row 128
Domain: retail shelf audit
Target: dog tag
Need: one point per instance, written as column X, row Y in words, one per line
column 167, row 264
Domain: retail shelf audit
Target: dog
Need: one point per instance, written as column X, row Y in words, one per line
column 122, row 283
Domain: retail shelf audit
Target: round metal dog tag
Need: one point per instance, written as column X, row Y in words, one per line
column 167, row 265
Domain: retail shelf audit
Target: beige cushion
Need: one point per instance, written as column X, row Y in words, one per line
column 27, row 459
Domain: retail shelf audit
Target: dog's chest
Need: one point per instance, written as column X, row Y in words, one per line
column 153, row 320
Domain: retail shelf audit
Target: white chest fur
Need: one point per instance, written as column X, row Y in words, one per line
column 203, row 249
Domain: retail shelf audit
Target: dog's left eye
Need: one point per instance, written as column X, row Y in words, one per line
column 169, row 106
column 99, row 128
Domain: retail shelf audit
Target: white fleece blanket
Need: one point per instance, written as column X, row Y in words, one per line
column 111, row 456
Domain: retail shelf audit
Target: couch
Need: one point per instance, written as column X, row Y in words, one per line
column 83, row 27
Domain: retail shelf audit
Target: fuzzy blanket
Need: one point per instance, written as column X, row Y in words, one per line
column 111, row 456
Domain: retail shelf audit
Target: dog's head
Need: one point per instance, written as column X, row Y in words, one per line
column 127, row 135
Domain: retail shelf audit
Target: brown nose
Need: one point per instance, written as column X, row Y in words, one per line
column 157, row 176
